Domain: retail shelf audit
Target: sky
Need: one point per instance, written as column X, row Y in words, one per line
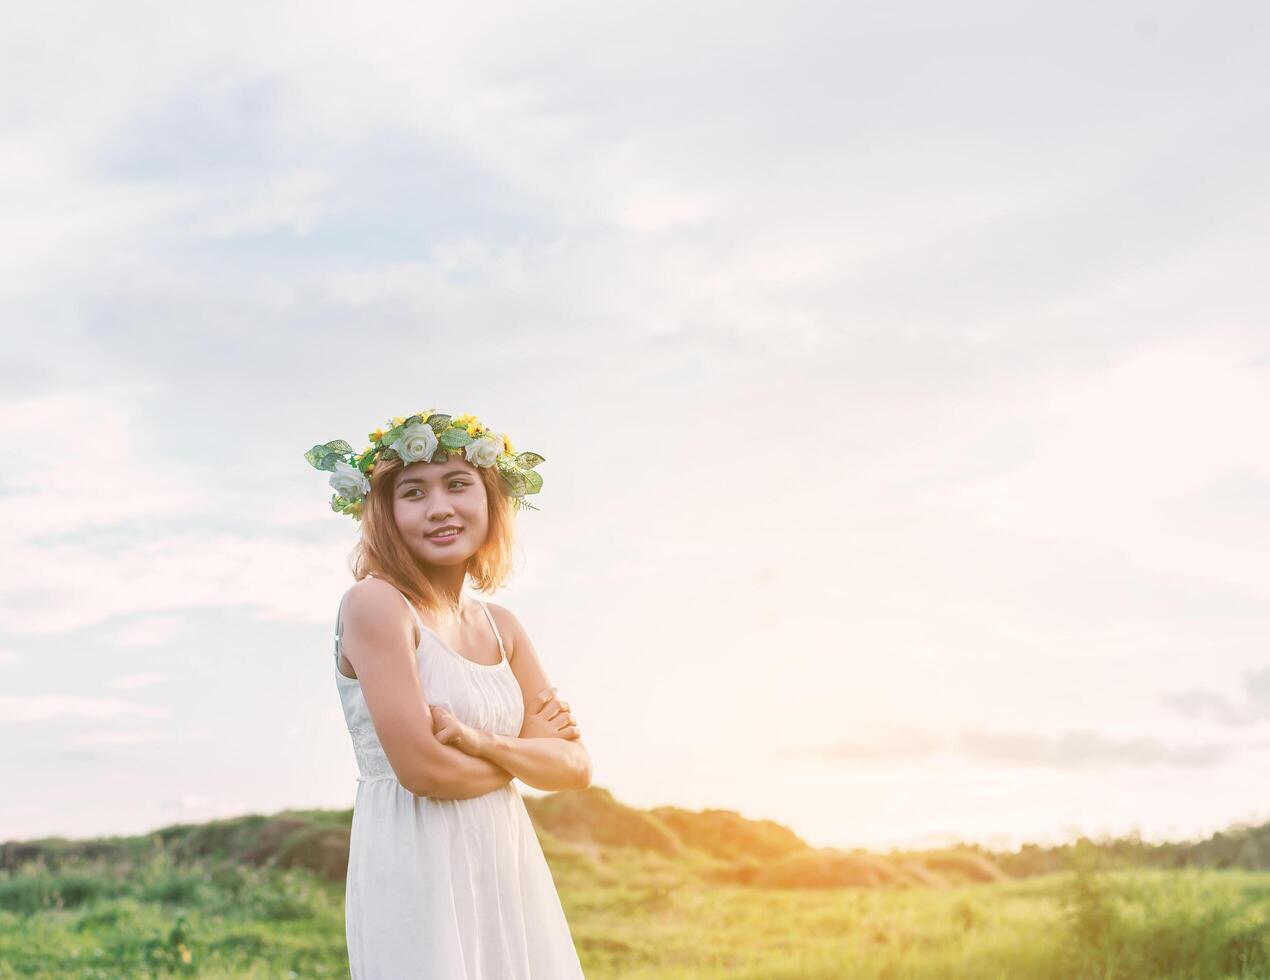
column 902, row 373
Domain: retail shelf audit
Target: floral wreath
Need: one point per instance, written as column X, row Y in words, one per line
column 430, row 437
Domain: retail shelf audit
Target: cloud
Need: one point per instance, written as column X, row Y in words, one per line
column 1253, row 707
column 132, row 682
column 292, row 202
column 897, row 746
column 146, row 631
column 1072, row 750
column 1165, row 422
column 27, row 709
column 111, row 737
column 66, row 494
column 1084, row 750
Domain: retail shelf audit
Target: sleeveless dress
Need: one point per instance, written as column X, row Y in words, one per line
column 448, row 889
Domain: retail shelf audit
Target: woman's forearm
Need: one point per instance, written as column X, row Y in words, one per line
column 464, row 776
column 549, row 764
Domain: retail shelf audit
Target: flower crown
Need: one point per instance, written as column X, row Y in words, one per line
column 430, row 437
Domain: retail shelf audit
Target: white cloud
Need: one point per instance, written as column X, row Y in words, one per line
column 291, row 202
column 1166, row 422
column 27, row 709
column 113, row 737
column 146, row 631
column 651, row 208
column 133, row 682
column 82, row 460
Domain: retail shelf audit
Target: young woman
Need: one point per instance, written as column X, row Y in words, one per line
column 446, row 701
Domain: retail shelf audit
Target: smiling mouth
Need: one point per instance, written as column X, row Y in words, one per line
column 445, row 535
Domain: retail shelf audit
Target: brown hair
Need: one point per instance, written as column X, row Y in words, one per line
column 381, row 550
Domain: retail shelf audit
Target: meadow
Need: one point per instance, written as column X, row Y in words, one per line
column 660, row 893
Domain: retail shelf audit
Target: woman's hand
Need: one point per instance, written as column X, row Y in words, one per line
column 450, row 731
column 549, row 717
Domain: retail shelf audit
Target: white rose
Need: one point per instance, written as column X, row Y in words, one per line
column 416, row 442
column 483, row 451
column 349, row 482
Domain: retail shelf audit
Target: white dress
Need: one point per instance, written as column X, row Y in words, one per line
column 448, row 889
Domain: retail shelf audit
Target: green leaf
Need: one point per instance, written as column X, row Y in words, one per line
column 528, row 460
column 324, row 457
column 533, row 482
column 439, row 423
column 455, row 437
column 514, row 479
column 440, row 456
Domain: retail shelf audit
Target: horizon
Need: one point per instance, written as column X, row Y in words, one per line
column 950, row 844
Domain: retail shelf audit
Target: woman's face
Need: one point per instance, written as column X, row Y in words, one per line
column 430, row 496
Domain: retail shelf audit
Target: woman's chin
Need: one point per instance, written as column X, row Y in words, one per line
column 440, row 558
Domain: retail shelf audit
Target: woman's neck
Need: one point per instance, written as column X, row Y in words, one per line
column 448, row 583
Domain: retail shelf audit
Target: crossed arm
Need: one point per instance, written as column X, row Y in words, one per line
column 550, row 764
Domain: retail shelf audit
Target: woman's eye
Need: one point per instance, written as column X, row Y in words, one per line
column 453, row 483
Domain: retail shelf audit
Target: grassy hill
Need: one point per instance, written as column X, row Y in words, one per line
column 663, row 892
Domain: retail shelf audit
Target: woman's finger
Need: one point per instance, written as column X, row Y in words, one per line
column 560, row 706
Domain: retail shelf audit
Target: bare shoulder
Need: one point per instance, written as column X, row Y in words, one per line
column 374, row 609
column 370, row 598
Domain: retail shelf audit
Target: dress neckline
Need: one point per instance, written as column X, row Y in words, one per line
column 449, row 649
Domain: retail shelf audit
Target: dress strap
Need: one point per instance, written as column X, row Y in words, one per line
column 339, row 630
column 498, row 636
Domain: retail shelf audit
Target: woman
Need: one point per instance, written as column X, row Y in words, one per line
column 446, row 878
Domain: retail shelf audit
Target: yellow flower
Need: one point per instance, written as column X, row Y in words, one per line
column 397, row 420
column 507, row 444
column 368, row 448
column 186, row 955
column 376, row 435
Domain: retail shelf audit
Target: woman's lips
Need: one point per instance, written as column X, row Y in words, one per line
column 444, row 538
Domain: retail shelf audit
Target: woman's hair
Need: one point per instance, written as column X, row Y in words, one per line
column 382, row 551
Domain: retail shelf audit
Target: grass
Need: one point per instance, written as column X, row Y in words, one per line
column 637, row 919
column 236, row 899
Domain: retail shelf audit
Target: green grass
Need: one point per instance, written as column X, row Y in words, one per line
column 637, row 919
column 260, row 897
